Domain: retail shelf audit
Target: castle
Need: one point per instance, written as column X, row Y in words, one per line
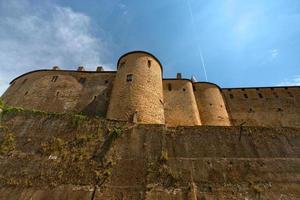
column 137, row 92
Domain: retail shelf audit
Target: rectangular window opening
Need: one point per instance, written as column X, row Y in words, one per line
column 129, row 77
column 54, row 78
column 169, row 87
column 82, row 80
column 149, row 63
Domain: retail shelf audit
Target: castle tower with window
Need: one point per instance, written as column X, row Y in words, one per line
column 137, row 93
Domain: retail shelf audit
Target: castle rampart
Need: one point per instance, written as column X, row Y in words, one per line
column 138, row 93
column 272, row 106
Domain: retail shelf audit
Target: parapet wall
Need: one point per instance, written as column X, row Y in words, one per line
column 179, row 103
column 61, row 91
column 274, row 107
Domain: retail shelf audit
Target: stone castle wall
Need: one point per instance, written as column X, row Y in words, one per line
column 180, row 104
column 264, row 106
column 211, row 104
column 62, row 91
column 137, row 92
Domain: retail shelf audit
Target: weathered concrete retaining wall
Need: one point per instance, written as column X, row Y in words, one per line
column 58, row 157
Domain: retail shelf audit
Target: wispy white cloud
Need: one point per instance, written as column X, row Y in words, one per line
column 34, row 38
column 290, row 82
column 274, row 53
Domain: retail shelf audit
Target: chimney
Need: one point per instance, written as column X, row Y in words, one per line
column 55, row 68
column 178, row 76
column 99, row 69
column 80, row 68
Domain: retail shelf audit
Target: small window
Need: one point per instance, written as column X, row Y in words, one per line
column 275, row 94
column 231, row 96
column 82, row 80
column 257, row 88
column 26, row 92
column 149, row 63
column 95, row 97
column 279, row 109
column 260, row 95
column 243, row 89
column 54, row 78
column 183, row 89
column 290, row 94
column 194, row 88
column 57, row 93
column 246, row 96
column 106, row 81
column 286, row 88
column 169, row 87
column 272, row 88
column 129, row 78
column 24, row 81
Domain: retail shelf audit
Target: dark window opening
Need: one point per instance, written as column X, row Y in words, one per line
column 26, row 92
column 149, row 63
column 246, row 96
column 251, row 110
column 290, row 94
column 183, row 89
column 229, row 89
column 54, row 78
column 257, row 88
column 243, row 89
column 210, row 104
column 106, row 81
column 279, row 109
column 260, row 95
column 272, row 88
column 129, row 77
column 275, row 94
column 57, row 93
column 24, row 81
column 194, row 88
column 286, row 88
column 169, row 87
column 231, row 96
column 95, row 97
column 82, row 80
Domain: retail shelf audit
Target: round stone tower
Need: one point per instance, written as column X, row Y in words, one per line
column 211, row 105
column 137, row 93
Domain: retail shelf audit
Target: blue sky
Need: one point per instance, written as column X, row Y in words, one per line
column 243, row 43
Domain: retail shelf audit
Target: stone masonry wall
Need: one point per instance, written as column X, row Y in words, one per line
column 138, row 89
column 179, row 103
column 272, row 107
column 62, row 91
column 44, row 156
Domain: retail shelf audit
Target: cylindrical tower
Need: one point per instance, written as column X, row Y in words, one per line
column 211, row 105
column 137, row 93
